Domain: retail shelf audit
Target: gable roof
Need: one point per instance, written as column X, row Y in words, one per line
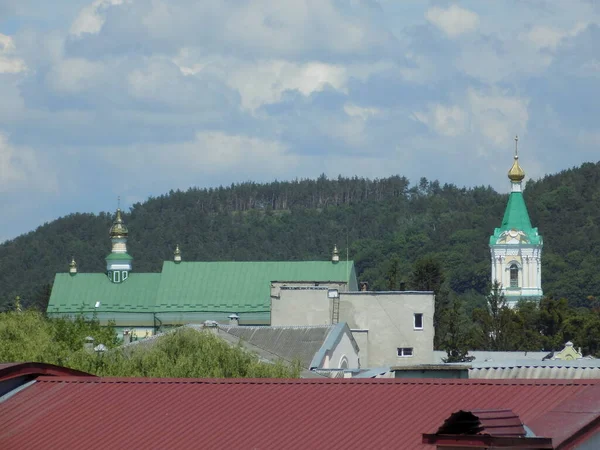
column 306, row 344
column 73, row 412
column 225, row 287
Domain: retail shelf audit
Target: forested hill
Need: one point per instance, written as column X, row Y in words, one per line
column 385, row 224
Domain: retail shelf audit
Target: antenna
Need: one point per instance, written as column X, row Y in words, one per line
column 118, row 202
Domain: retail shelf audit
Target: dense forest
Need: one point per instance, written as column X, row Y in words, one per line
column 386, row 226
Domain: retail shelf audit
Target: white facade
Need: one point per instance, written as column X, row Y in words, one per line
column 518, row 269
column 390, row 328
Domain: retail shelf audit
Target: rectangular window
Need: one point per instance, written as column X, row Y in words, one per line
column 124, row 275
column 405, row 351
column 418, row 321
column 116, row 276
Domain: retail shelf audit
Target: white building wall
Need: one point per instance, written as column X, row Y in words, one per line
column 344, row 350
column 528, row 259
column 384, row 321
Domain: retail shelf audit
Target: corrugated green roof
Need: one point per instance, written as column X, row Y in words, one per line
column 80, row 292
column 516, row 217
column 242, row 287
column 238, row 286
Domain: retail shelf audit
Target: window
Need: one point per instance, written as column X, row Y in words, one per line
column 116, row 276
column 418, row 321
column 405, row 351
column 124, row 275
column 514, row 276
column 344, row 362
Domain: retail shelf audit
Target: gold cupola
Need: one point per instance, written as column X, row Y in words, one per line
column 73, row 266
column 516, row 173
column 118, row 229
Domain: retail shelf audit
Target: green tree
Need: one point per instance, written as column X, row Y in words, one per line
column 455, row 333
column 496, row 322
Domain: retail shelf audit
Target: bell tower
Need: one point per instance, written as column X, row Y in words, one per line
column 118, row 262
column 516, row 247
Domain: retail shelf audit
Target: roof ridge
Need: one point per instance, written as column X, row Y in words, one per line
column 291, row 381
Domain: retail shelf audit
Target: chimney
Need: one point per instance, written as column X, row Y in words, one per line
column 89, row 344
column 211, row 325
column 126, row 337
column 234, row 320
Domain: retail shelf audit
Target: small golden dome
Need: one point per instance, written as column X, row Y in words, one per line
column 73, row 264
column 118, row 229
column 516, row 173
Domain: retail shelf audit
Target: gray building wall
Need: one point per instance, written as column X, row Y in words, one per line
column 382, row 320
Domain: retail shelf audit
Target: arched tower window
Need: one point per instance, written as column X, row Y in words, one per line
column 514, row 276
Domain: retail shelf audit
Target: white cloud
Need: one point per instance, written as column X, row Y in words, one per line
column 353, row 110
column 494, row 115
column 545, row 37
column 8, row 62
column 498, row 116
column 209, row 153
column 73, row 75
column 91, row 18
column 453, row 20
column 21, row 170
column 445, row 120
column 263, row 82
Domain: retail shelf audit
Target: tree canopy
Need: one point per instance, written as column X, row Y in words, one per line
column 29, row 336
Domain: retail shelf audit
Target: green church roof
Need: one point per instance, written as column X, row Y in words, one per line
column 241, row 287
column 238, row 286
column 72, row 294
column 516, row 218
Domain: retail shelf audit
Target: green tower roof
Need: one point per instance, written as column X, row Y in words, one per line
column 516, row 224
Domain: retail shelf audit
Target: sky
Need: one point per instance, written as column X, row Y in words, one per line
column 133, row 98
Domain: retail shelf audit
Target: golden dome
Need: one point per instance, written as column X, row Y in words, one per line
column 516, row 173
column 118, row 229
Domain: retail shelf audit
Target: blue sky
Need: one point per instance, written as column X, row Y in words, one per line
column 132, row 98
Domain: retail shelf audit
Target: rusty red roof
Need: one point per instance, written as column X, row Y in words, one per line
column 79, row 412
column 491, row 422
column 12, row 370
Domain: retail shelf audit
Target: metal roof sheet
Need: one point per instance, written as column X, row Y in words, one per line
column 497, row 357
column 71, row 412
column 288, row 343
column 79, row 293
column 550, row 371
column 517, row 217
column 238, row 286
column 242, row 287
column 491, row 422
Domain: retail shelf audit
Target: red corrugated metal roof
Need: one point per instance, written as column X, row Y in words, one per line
column 491, row 422
column 71, row 412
